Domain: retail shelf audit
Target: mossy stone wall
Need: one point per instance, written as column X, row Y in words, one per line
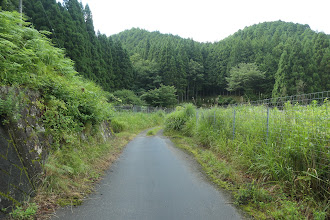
column 24, row 147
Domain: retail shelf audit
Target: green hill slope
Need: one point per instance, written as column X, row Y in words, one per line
column 295, row 59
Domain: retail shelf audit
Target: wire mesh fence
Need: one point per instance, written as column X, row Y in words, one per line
column 292, row 132
column 144, row 109
column 302, row 99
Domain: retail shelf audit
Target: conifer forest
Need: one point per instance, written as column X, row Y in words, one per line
column 269, row 59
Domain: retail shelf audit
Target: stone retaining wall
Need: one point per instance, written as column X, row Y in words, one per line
column 24, row 147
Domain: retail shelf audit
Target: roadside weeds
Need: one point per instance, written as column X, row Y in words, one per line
column 258, row 198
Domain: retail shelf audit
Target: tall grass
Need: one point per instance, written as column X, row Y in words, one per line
column 288, row 146
column 131, row 122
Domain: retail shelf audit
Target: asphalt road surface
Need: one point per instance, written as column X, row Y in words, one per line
column 153, row 180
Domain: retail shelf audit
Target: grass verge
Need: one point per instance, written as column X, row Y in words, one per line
column 282, row 178
column 258, row 200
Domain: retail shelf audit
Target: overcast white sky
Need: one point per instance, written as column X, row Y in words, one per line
column 205, row 20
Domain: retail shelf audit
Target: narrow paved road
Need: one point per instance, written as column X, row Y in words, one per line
column 153, row 180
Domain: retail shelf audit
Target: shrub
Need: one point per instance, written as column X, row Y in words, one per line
column 127, row 97
column 176, row 121
column 164, row 96
column 225, row 101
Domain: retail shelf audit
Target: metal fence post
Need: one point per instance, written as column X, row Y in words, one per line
column 234, row 124
column 196, row 117
column 267, row 135
column 214, row 118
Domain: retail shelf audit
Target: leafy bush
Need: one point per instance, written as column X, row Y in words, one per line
column 225, row 101
column 164, row 96
column 127, row 97
column 245, row 76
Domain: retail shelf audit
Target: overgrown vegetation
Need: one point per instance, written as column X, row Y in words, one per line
column 29, row 60
column 127, row 97
column 72, row 111
column 282, row 170
column 164, row 96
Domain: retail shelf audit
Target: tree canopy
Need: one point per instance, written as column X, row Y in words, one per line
column 245, row 77
column 96, row 56
column 164, row 96
column 293, row 58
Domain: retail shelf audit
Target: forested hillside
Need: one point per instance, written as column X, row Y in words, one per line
column 96, row 56
column 284, row 59
column 166, row 59
column 263, row 60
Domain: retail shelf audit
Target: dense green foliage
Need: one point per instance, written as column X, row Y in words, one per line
column 293, row 58
column 290, row 152
column 24, row 214
column 179, row 119
column 165, row 59
column 245, row 77
column 164, row 96
column 9, row 5
column 28, row 60
column 96, row 56
column 127, row 97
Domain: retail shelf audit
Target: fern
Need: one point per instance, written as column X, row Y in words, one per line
column 29, row 59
